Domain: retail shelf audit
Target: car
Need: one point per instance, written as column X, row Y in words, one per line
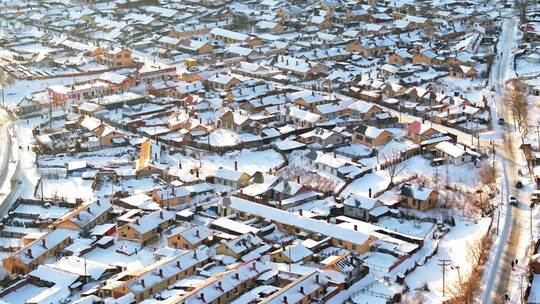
column 512, row 200
column 519, row 184
column 501, row 121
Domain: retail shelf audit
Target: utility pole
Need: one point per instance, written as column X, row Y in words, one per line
column 458, row 272
column 530, row 219
column 521, row 276
column 498, row 218
column 444, row 263
column 538, row 134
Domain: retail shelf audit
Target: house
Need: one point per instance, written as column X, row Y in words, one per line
column 223, row 82
column 118, row 57
column 425, row 56
column 143, row 229
column 462, row 71
column 400, row 57
column 265, row 26
column 418, row 132
column 235, row 121
column 456, row 154
column 35, row 253
column 189, row 237
column 141, row 284
column 299, row 67
column 292, row 223
column 325, row 161
column 240, row 245
column 234, row 179
column 304, row 289
column 347, row 264
column 109, row 136
column 364, row 110
column 195, row 47
column 323, row 137
column 359, row 207
column 225, row 286
column 371, row 136
column 231, row 37
column 417, row 197
column 171, row 196
column 302, row 118
column 86, row 216
column 292, row 254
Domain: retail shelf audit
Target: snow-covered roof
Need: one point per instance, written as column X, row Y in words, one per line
column 288, row 218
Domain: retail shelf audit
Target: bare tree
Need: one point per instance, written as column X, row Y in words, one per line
column 487, row 175
column 516, row 98
column 392, row 163
column 464, row 290
column 416, row 298
column 5, row 81
column 521, row 6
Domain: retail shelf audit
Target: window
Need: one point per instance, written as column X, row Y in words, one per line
column 353, row 246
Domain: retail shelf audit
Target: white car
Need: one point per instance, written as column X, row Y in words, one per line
column 512, row 200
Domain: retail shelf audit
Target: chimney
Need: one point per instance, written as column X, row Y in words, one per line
column 355, row 227
column 179, row 165
column 254, row 266
column 285, row 300
column 197, row 234
column 136, row 221
column 178, row 264
column 43, row 243
column 237, row 276
column 317, row 279
column 369, row 192
column 298, row 179
column 98, row 203
column 173, row 192
column 195, row 254
column 161, row 273
column 302, row 289
column 142, row 282
column 219, row 286
column 201, row 296
column 29, row 253
column 235, row 165
column 161, row 214
column 301, row 212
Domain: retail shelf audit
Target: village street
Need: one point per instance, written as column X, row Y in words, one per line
column 502, row 279
column 5, row 153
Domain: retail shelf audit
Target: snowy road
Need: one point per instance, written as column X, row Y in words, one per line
column 500, row 279
column 5, row 150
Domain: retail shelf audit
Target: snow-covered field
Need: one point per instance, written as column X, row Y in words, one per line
column 454, row 248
